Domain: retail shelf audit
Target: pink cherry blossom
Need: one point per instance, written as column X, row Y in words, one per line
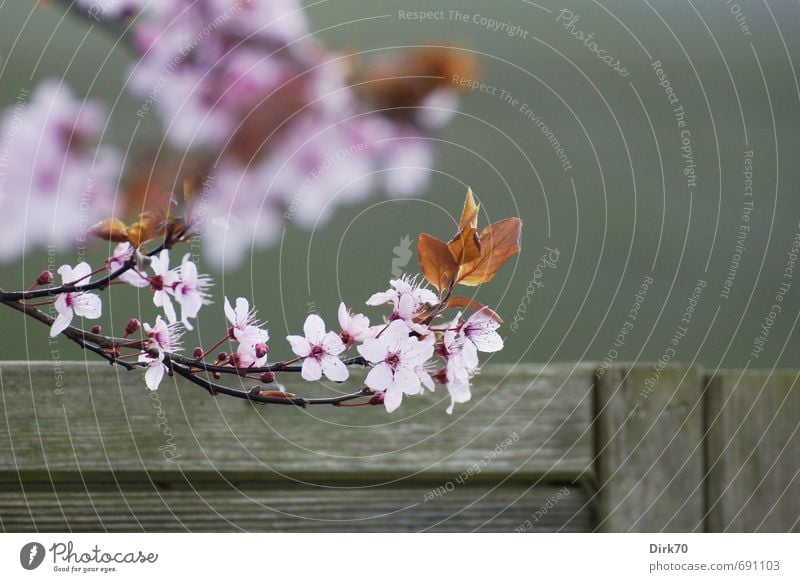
column 320, row 351
column 111, row 9
column 79, row 303
column 461, row 363
column 245, row 329
column 244, row 325
column 407, row 298
column 163, row 284
column 122, row 252
column 190, row 291
column 160, row 338
column 355, row 326
column 55, row 181
column 480, row 334
column 398, row 363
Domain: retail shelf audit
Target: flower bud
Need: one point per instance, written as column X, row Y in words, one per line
column 44, row 278
column 95, row 329
column 197, row 353
column 267, row 378
column 222, row 357
column 132, row 326
column 377, row 398
column 440, row 377
column 261, row 350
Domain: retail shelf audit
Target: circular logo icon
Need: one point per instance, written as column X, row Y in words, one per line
column 31, row 555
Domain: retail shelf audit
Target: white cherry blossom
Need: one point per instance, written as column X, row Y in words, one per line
column 79, row 303
column 163, row 284
column 319, row 351
column 190, row 291
column 160, row 338
column 398, row 363
column 355, row 326
column 122, row 252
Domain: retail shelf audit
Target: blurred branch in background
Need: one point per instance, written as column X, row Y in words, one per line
column 269, row 126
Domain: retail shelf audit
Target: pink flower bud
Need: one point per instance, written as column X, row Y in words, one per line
column 133, row 326
column 222, row 357
column 261, row 350
column 377, row 398
column 267, row 378
column 197, row 353
column 44, row 278
column 95, row 329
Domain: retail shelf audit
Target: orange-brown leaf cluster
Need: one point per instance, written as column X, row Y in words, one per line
column 469, row 258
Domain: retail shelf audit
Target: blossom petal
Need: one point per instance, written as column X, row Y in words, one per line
column 487, row 341
column 469, row 354
column 380, row 378
column 425, row 378
column 300, row 345
column 459, row 392
column 406, row 379
column 188, row 270
column 426, row 296
column 344, row 316
column 381, row 298
column 373, row 350
column 312, row 370
column 392, row 399
column 333, row 344
column 154, row 375
column 334, row 369
column 80, row 274
column 61, row 323
column 169, row 309
column 87, row 305
column 230, row 314
column 314, row 328
column 66, row 273
column 406, row 306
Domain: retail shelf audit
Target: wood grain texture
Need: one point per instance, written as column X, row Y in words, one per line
column 105, row 420
column 650, row 454
column 399, row 509
column 753, row 451
column 89, row 448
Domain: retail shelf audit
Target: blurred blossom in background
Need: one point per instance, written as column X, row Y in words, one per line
column 265, row 124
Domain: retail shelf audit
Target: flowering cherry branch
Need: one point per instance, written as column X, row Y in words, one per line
column 252, row 106
column 414, row 348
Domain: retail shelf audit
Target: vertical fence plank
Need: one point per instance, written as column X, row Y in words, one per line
column 649, row 449
column 753, row 451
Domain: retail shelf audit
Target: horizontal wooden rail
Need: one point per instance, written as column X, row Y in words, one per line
column 86, row 447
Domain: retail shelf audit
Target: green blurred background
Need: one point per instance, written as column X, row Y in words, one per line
column 622, row 213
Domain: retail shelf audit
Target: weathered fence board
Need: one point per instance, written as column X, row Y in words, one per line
column 649, row 449
column 753, row 451
column 106, row 419
column 86, row 447
column 479, row 508
column 104, row 452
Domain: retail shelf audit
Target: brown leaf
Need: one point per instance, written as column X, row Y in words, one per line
column 499, row 242
column 437, row 263
column 467, row 303
column 146, row 228
column 111, row 229
column 469, row 216
column 465, row 246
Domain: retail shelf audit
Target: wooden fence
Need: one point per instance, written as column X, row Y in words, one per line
column 86, row 447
